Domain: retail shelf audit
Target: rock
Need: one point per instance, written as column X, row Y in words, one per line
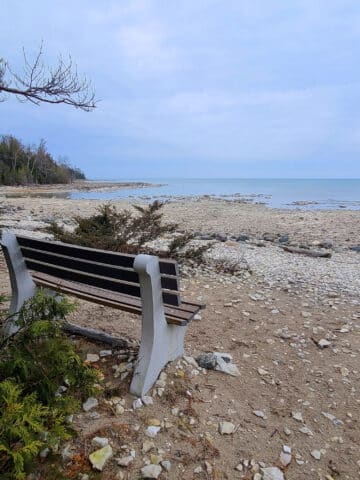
column 261, row 371
column 287, row 431
column 151, row 471
column 166, row 465
column 198, row 469
column 147, row 446
column 323, row 343
column 239, row 467
column 147, row 400
column 125, row 461
column 257, row 476
column 92, row 357
column 221, row 237
column 316, row 454
column 218, row 361
column 137, row 403
column 197, row 317
column 154, row 422
column 226, row 428
column 44, row 453
column 152, row 431
column 285, row 459
column 105, row 353
column 90, row 403
column 207, row 360
column 283, row 239
column 297, row 416
column 120, row 475
column 272, row 473
column 119, row 409
column 99, row 442
column 242, row 238
column 259, row 413
column 100, row 457
column 286, row 449
column 355, row 249
column 191, row 361
column 306, row 431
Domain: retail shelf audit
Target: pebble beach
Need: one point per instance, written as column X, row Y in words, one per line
column 290, row 321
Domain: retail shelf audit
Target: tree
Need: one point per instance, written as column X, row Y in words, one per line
column 41, row 84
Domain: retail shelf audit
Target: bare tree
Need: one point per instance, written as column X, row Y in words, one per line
column 38, row 83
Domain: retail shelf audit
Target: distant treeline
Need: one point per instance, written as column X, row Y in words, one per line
column 24, row 165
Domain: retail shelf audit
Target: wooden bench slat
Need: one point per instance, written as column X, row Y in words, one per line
column 97, row 281
column 168, row 267
column 178, row 316
column 97, row 268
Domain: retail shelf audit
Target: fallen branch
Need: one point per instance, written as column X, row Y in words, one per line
column 308, row 252
column 95, row 335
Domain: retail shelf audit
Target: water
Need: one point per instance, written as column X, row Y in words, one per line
column 275, row 193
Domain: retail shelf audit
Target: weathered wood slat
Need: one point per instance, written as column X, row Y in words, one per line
column 168, row 267
column 174, row 315
column 98, row 281
column 96, row 268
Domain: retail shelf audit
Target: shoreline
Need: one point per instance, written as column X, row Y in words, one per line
column 66, row 188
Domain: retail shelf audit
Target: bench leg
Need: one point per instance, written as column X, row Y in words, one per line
column 22, row 285
column 160, row 342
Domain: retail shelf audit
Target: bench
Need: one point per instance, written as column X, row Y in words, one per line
column 140, row 284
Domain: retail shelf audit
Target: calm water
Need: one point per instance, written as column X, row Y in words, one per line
column 276, row 193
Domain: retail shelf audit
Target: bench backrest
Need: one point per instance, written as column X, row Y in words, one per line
column 97, row 268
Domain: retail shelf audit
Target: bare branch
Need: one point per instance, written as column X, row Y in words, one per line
column 41, row 84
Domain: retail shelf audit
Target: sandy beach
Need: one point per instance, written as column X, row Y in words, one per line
column 291, row 391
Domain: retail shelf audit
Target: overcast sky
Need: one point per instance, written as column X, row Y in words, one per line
column 196, row 88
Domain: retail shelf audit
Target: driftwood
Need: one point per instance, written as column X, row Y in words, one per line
column 95, row 335
column 305, row 251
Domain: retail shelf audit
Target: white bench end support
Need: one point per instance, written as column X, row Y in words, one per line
column 22, row 285
column 160, row 342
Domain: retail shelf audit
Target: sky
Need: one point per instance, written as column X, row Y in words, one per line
column 204, row 88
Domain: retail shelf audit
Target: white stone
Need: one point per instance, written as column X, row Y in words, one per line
column 100, row 457
column 306, row 431
column 92, row 357
column 297, row 416
column 285, row 459
column 198, row 469
column 286, row 449
column 257, row 476
column 125, row 461
column 316, row 454
column 99, row 442
column 191, row 361
column 259, row 413
column 323, row 343
column 105, row 353
column 147, row 446
column 119, row 409
column 226, row 428
column 272, row 473
column 151, row 471
column 262, row 371
column 90, row 403
column 239, row 467
column 287, row 431
column 147, row 400
column 166, row 465
column 137, row 403
column 152, row 431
